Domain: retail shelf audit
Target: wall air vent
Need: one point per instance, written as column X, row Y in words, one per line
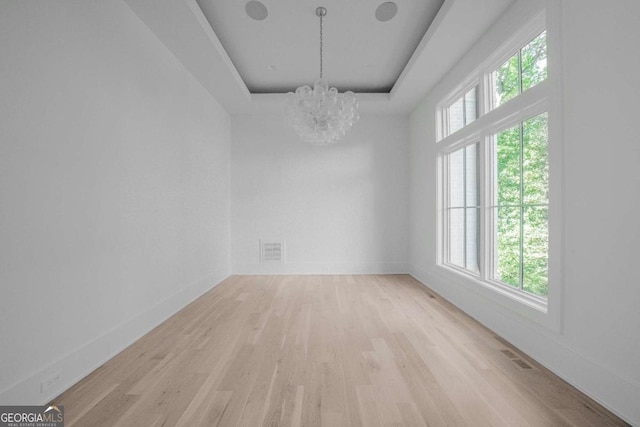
column 271, row 251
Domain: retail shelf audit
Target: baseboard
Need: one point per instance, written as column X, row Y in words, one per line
column 320, row 268
column 79, row 363
column 609, row 389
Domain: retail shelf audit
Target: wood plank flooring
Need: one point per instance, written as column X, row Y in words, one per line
column 325, row 351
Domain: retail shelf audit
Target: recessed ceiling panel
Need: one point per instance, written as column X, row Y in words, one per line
column 275, row 44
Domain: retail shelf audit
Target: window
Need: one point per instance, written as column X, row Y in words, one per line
column 462, row 111
column 522, row 71
column 520, row 206
column 495, row 172
column 463, row 211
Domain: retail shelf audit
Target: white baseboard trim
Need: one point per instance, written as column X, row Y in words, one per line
column 320, row 268
column 609, row 389
column 79, row 363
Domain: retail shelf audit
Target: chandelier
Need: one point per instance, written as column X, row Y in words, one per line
column 321, row 116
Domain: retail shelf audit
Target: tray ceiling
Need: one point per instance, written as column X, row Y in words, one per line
column 183, row 28
column 280, row 51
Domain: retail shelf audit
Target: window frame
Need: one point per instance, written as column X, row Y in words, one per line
column 526, row 35
column 447, row 241
column 490, row 121
column 442, row 127
column 490, row 191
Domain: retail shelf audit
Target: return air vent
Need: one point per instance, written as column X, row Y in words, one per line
column 271, row 251
column 516, row 359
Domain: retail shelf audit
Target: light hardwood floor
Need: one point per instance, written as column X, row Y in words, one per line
column 324, row 350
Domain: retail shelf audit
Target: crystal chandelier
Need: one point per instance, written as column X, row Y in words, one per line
column 321, row 116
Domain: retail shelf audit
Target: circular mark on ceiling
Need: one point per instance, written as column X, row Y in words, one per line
column 386, row 11
column 256, row 10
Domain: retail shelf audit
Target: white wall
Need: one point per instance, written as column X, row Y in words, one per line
column 339, row 209
column 114, row 189
column 598, row 347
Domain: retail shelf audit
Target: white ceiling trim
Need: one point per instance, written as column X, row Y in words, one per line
column 424, row 44
column 204, row 24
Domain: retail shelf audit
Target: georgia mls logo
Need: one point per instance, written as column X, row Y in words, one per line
column 57, row 410
column 32, row 416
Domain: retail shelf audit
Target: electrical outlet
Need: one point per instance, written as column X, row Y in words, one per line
column 49, row 382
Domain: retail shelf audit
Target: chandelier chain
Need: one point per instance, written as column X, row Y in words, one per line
column 321, row 45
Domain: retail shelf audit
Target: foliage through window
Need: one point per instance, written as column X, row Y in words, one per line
column 496, row 177
column 522, row 71
column 520, row 208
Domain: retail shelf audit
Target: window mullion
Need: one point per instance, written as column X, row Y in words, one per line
column 447, row 200
column 520, row 85
column 521, row 206
column 484, row 94
column 484, row 245
column 464, row 110
column 464, row 204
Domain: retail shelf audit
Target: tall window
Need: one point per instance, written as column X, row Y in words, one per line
column 520, row 205
column 495, row 170
column 463, row 211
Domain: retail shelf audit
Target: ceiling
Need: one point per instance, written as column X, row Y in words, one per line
column 390, row 65
column 281, row 52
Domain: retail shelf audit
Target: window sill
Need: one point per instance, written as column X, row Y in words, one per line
column 511, row 303
column 523, row 298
